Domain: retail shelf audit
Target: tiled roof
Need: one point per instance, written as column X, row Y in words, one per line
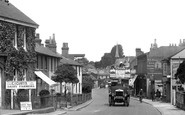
column 44, row 50
column 10, row 12
column 165, row 51
column 69, row 61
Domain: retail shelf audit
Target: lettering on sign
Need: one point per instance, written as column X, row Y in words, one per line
column 26, row 106
column 20, row 84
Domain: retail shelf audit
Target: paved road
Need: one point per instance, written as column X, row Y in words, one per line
column 100, row 106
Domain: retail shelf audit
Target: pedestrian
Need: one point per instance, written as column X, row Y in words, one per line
column 152, row 94
column 140, row 95
column 158, row 94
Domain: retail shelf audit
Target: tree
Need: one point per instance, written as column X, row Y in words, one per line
column 120, row 52
column 87, row 84
column 83, row 61
column 65, row 73
column 180, row 74
column 109, row 58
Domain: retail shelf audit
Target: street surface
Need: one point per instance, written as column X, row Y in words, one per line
column 100, row 106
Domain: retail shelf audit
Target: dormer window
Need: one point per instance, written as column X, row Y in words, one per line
column 15, row 38
column 24, row 38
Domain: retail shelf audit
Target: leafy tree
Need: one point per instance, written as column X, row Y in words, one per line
column 87, row 84
column 106, row 60
column 65, row 73
column 109, row 58
column 180, row 74
column 120, row 52
column 83, row 61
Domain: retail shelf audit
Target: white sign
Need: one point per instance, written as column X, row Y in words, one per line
column 20, row 84
column 26, row 106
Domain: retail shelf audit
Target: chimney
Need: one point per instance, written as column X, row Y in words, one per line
column 51, row 44
column 65, row 50
column 37, row 39
column 138, row 52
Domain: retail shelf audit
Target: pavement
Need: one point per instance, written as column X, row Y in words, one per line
column 35, row 112
column 163, row 108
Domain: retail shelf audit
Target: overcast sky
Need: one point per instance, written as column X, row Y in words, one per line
column 93, row 27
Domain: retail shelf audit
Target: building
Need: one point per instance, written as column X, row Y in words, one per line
column 47, row 61
column 170, row 66
column 65, row 53
column 70, row 60
column 154, row 65
column 17, row 53
column 74, row 88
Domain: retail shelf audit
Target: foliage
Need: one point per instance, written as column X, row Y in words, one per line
column 83, row 61
column 16, row 58
column 106, row 60
column 109, row 58
column 7, row 97
column 65, row 73
column 180, row 74
column 44, row 92
column 87, row 84
column 22, row 96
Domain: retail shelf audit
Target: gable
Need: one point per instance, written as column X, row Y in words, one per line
column 181, row 54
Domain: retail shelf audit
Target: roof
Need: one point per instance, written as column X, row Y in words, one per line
column 73, row 56
column 44, row 50
column 10, row 13
column 69, row 61
column 165, row 51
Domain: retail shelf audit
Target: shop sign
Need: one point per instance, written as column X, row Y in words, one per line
column 26, row 106
column 20, row 84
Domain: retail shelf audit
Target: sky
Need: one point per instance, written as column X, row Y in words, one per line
column 93, row 27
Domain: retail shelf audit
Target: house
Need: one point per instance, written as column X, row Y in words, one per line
column 17, row 53
column 70, row 60
column 77, row 87
column 47, row 61
column 170, row 65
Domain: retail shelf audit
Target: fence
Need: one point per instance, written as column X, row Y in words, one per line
column 180, row 100
column 51, row 101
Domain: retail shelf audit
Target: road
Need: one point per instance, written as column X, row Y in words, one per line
column 100, row 106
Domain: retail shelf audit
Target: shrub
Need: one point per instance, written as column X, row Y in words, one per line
column 44, row 92
column 22, row 96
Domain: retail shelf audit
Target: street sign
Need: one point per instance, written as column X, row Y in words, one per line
column 20, row 84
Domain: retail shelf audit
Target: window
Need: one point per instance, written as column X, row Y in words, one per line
column 51, row 64
column 54, row 59
column 46, row 63
column 24, row 37
column 15, row 75
column 15, row 38
column 41, row 62
column 79, row 70
column 37, row 62
column 24, row 75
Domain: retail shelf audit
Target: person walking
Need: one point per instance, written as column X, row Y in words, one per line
column 152, row 94
column 158, row 94
column 141, row 95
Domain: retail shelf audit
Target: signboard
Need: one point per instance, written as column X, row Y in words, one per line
column 20, row 84
column 154, row 65
column 26, row 106
column 120, row 73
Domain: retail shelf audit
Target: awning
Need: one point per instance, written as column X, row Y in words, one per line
column 45, row 78
column 131, row 81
